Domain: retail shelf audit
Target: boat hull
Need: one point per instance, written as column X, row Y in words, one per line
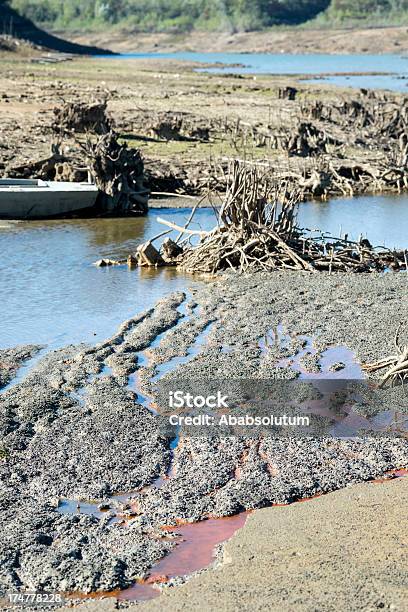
column 44, row 200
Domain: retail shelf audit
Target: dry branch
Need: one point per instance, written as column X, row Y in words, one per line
column 257, row 228
column 397, row 364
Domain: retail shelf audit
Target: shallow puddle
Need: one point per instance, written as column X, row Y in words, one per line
column 337, row 366
column 195, row 550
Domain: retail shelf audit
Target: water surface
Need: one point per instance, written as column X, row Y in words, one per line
column 394, row 67
column 381, row 219
column 53, row 294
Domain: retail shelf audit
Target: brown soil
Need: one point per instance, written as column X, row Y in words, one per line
column 188, row 126
column 279, row 40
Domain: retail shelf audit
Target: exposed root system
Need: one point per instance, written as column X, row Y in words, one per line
column 257, row 228
column 397, row 365
column 118, row 173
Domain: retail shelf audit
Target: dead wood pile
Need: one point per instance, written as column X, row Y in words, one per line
column 257, row 229
column 81, row 117
column 287, row 93
column 377, row 121
column 167, row 127
column 118, row 172
column 397, row 365
column 176, row 126
column 308, row 141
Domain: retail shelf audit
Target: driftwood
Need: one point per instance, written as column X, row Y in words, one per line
column 148, row 255
column 176, row 126
column 43, row 169
column 81, row 117
column 257, row 229
column 316, row 137
column 397, row 365
column 118, row 172
column 287, row 93
column 170, row 250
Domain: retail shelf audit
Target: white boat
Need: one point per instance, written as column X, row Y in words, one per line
column 37, row 199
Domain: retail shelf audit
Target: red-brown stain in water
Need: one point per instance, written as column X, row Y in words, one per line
column 193, row 551
column 391, row 476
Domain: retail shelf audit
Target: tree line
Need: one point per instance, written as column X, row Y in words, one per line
column 184, row 15
column 177, row 15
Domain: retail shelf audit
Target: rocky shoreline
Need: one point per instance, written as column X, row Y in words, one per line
column 75, row 429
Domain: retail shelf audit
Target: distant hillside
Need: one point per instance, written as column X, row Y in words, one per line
column 20, row 27
column 170, row 15
column 213, row 15
column 366, row 11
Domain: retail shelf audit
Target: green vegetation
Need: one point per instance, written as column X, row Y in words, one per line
column 169, row 15
column 221, row 15
column 365, row 11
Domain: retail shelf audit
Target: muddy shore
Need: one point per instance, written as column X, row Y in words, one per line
column 343, row 551
column 188, row 126
column 75, row 430
column 90, row 473
column 11, row 360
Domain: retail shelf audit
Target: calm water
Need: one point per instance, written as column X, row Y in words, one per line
column 382, row 219
column 52, row 294
column 395, row 66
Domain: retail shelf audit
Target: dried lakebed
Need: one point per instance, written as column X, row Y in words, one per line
column 77, row 429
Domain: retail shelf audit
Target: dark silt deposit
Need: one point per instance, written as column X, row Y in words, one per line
column 80, row 431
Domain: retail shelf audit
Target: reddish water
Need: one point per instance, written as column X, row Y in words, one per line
column 194, row 551
column 196, row 542
column 401, row 473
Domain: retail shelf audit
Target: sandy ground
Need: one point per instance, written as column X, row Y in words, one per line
column 349, row 40
column 343, row 551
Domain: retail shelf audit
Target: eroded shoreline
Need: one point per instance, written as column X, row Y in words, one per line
column 104, row 442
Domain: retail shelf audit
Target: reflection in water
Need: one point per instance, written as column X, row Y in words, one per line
column 382, row 219
column 51, row 292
